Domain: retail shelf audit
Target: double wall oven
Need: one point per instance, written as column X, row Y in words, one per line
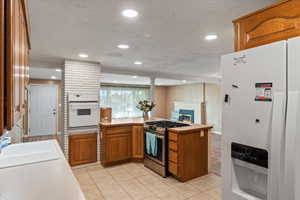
column 159, row 162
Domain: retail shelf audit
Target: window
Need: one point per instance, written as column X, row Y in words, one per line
column 123, row 100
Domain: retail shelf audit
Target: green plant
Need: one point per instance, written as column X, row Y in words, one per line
column 145, row 106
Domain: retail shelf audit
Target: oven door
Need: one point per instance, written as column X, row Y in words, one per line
column 83, row 114
column 161, row 149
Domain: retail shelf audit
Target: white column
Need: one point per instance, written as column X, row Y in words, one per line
column 152, row 88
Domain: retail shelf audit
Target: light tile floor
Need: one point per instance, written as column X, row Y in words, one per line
column 133, row 181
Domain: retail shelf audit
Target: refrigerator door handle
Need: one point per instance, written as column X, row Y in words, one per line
column 276, row 140
column 292, row 150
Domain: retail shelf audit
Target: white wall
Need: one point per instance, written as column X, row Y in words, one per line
column 193, row 93
column 214, row 106
column 78, row 77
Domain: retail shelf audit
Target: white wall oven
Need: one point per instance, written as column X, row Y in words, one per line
column 83, row 110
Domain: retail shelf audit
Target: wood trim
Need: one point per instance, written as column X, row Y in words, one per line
column 2, row 45
column 262, row 10
column 27, row 21
column 9, row 70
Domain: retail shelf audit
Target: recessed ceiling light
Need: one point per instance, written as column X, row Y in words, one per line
column 130, row 13
column 82, row 55
column 138, row 63
column 53, row 77
column 134, row 76
column 211, row 37
column 123, row 46
column 58, row 70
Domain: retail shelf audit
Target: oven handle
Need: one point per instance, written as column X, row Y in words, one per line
column 157, row 134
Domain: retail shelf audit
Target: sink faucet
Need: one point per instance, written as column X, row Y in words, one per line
column 5, row 140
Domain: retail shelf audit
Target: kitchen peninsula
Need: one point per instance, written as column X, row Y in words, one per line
column 122, row 140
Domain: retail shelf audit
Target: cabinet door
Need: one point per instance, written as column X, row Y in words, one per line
column 82, row 149
column 138, row 142
column 118, row 147
column 279, row 21
column 1, row 66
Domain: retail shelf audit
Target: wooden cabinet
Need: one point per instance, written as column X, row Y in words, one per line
column 82, row 149
column 15, row 45
column 121, row 143
column 118, row 147
column 138, row 142
column 115, row 144
column 2, row 49
column 188, row 154
column 279, row 21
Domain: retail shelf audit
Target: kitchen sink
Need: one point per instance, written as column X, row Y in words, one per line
column 28, row 153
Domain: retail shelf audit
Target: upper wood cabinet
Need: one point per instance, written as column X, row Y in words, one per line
column 16, row 49
column 279, row 21
column 2, row 46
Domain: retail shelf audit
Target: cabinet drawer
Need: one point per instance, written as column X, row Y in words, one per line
column 173, row 168
column 173, row 137
column 118, row 130
column 173, row 145
column 173, row 156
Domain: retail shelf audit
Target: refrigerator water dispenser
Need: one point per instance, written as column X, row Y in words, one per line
column 249, row 171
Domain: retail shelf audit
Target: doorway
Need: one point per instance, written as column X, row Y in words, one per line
column 43, row 108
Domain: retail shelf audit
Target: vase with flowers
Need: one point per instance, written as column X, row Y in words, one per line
column 145, row 106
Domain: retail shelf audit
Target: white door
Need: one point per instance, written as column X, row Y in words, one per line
column 254, row 86
column 43, row 109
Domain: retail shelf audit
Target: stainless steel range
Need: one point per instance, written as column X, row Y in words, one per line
column 159, row 129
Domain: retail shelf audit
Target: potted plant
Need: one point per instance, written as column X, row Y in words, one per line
column 145, row 106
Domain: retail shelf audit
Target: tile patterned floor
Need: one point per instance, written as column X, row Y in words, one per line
column 133, row 181
column 216, row 154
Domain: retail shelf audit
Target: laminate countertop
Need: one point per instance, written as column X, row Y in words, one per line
column 123, row 121
column 46, row 180
column 191, row 129
column 141, row 121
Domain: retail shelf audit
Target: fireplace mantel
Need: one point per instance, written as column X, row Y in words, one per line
column 190, row 106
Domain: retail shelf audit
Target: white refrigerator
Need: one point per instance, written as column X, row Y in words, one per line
column 261, row 122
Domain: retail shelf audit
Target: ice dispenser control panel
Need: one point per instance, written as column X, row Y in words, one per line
column 249, row 154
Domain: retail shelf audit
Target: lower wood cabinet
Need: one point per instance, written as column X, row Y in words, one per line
column 188, row 155
column 121, row 143
column 138, row 142
column 118, row 147
column 82, row 149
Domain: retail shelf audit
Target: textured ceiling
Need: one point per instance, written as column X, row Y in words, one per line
column 168, row 35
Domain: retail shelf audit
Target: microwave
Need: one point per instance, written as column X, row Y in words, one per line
column 83, row 110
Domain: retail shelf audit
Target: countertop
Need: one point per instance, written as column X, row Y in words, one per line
column 190, row 129
column 140, row 121
column 123, row 121
column 46, row 180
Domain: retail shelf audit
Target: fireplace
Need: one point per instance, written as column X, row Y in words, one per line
column 187, row 115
